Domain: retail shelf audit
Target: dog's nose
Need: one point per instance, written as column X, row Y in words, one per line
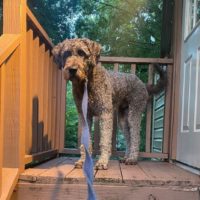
column 72, row 72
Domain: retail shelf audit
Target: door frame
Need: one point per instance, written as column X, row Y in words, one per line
column 176, row 52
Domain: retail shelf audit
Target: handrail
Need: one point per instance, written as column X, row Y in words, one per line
column 8, row 43
column 38, row 27
column 135, row 60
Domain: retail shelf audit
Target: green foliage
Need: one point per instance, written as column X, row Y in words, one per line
column 71, row 120
column 124, row 28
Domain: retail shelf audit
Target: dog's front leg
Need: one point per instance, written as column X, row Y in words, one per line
column 106, row 128
column 79, row 163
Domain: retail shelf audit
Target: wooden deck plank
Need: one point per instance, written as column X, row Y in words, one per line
column 168, row 174
column 60, row 170
column 132, row 173
column 75, row 176
column 146, row 173
column 36, row 171
column 113, row 174
column 9, row 180
column 104, row 192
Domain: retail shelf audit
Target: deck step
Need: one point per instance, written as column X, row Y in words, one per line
column 58, row 179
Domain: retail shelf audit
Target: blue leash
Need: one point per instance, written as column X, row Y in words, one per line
column 85, row 140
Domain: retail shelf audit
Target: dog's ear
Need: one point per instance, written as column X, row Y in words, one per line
column 56, row 51
column 95, row 49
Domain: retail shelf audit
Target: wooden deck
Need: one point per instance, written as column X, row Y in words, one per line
column 58, row 179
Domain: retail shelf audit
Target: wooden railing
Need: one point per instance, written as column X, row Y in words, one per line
column 45, row 93
column 134, row 65
column 32, row 95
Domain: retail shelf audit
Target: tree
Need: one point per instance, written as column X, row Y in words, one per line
column 123, row 27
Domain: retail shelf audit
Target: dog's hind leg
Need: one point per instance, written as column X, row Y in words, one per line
column 134, row 120
column 123, row 125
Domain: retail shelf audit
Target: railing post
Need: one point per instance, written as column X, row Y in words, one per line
column 167, row 110
column 14, row 22
column 149, row 113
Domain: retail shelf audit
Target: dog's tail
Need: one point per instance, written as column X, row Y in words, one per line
column 161, row 83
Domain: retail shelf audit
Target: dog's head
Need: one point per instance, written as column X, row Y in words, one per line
column 76, row 57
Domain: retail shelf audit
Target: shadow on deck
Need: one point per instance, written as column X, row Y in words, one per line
column 58, row 179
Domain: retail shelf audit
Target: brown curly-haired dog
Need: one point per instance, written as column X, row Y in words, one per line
column 107, row 91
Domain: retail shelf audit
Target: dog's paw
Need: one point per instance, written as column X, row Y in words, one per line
column 78, row 164
column 100, row 165
column 130, row 161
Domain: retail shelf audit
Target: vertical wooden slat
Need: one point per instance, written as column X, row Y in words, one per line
column 45, row 99
column 14, row 22
column 50, row 82
column 149, row 113
column 40, row 89
column 11, row 111
column 116, row 67
column 2, row 81
column 54, row 105
column 62, row 111
column 29, row 86
column 11, row 18
column 133, row 68
column 167, row 111
column 58, row 110
column 35, row 71
column 23, row 80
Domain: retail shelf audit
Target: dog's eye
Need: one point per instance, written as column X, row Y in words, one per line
column 81, row 53
column 67, row 54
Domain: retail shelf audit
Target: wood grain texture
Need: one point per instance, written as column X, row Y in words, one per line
column 50, row 82
column 41, row 156
column 59, row 179
column 104, row 192
column 149, row 113
column 35, row 99
column 167, row 117
column 40, row 75
column 135, row 60
column 58, row 110
column 10, row 110
column 8, row 43
column 112, row 175
column 145, row 173
column 9, row 181
column 133, row 68
column 54, row 96
column 45, row 100
column 62, row 113
column 28, row 128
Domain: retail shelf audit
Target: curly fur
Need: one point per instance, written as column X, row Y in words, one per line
column 107, row 91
